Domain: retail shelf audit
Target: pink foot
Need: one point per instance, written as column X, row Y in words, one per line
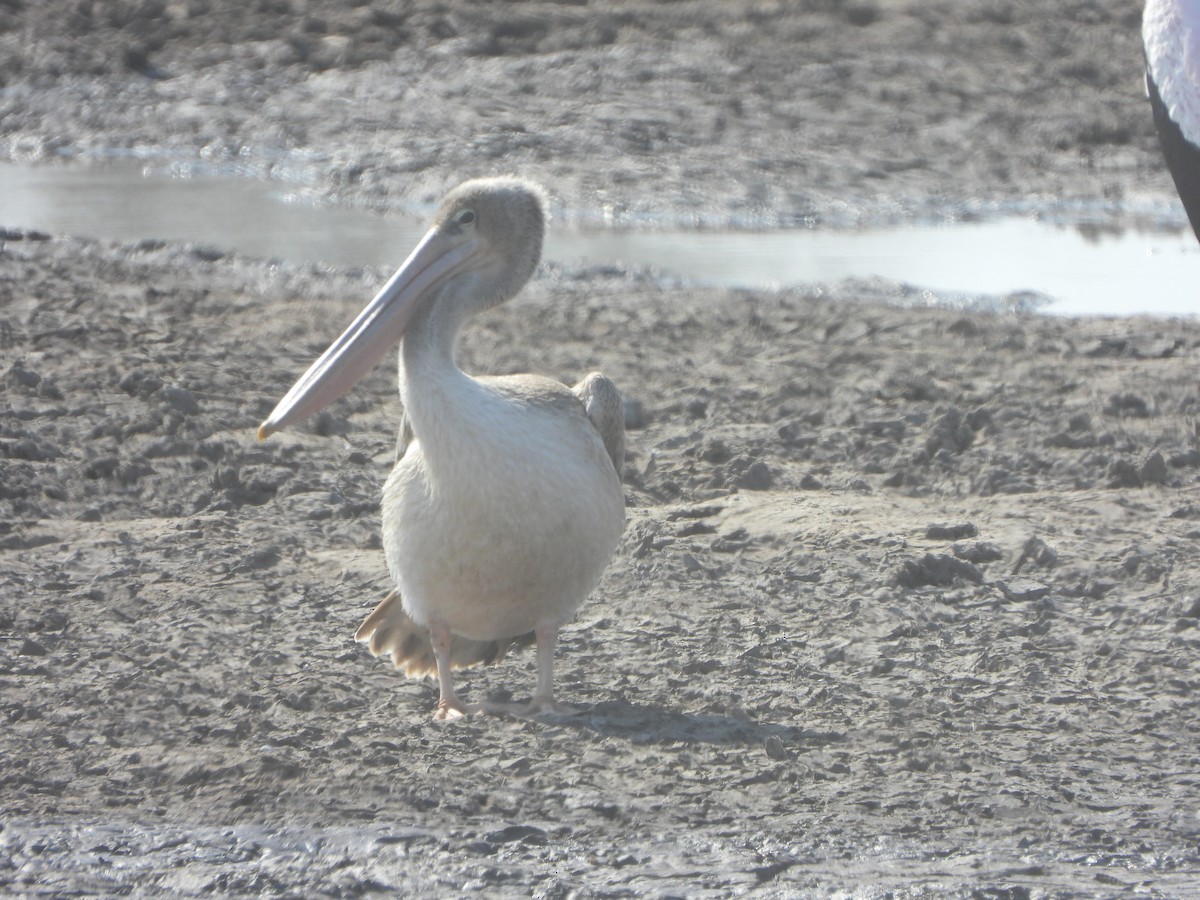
column 448, row 711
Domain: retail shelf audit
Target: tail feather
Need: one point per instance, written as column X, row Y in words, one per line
column 390, row 630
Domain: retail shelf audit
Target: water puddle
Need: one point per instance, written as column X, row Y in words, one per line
column 1082, row 270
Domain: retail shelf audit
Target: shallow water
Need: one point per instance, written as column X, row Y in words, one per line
column 1081, row 270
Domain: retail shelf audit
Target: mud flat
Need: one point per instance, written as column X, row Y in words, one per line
column 833, row 111
column 907, row 603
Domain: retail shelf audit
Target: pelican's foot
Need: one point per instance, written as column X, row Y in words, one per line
column 538, row 706
column 448, row 711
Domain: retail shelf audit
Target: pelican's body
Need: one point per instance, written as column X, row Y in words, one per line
column 1171, row 36
column 505, row 504
column 512, row 475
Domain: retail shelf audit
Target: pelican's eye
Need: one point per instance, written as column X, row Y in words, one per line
column 465, row 218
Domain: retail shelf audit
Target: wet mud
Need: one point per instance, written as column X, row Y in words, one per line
column 906, row 603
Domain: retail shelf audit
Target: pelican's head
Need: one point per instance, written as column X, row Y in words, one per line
column 505, row 219
column 484, row 244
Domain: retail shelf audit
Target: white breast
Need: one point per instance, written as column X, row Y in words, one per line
column 501, row 516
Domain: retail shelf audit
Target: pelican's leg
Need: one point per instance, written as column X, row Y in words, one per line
column 543, row 697
column 449, row 706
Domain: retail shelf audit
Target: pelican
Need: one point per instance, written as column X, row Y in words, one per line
column 505, row 502
column 1171, row 36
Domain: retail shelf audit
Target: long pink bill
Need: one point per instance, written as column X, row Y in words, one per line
column 374, row 331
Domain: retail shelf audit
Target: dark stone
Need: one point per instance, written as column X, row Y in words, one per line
column 978, row 552
column 1127, row 406
column 181, row 399
column 935, row 570
column 1154, row 469
column 758, row 477
column 951, row 532
column 139, row 383
column 1124, row 474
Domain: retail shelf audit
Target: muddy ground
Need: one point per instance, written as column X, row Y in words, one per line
column 907, row 603
column 835, row 111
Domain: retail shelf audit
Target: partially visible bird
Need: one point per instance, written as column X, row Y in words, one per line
column 505, row 504
column 1171, row 37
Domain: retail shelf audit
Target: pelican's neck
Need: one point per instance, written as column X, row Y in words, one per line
column 431, row 336
column 440, row 400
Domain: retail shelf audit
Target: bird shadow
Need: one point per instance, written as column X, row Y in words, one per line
column 640, row 723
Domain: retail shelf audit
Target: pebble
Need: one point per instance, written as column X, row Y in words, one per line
column 977, row 552
column 181, row 399
column 758, row 477
column 951, row 532
column 935, row 570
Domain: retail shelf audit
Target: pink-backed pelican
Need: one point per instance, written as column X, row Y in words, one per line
column 505, row 504
column 1171, row 36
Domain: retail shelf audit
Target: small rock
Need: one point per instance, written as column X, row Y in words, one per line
column 889, row 429
column 139, row 383
column 738, row 539
column 756, row 478
column 181, row 399
column 1186, row 459
column 964, row 328
column 103, row 467
column 1038, row 553
column 715, row 451
column 774, row 748
column 19, row 376
column 979, row 419
column 328, row 425
column 19, row 234
column 978, row 552
column 30, row 647
column 133, row 471
column 1107, row 347
column 208, row 254
column 1127, row 405
column 1070, row 440
column 1124, row 474
column 950, row 433
column 937, row 570
column 694, row 565
column 29, row 449
column 1154, row 469
column 951, row 532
